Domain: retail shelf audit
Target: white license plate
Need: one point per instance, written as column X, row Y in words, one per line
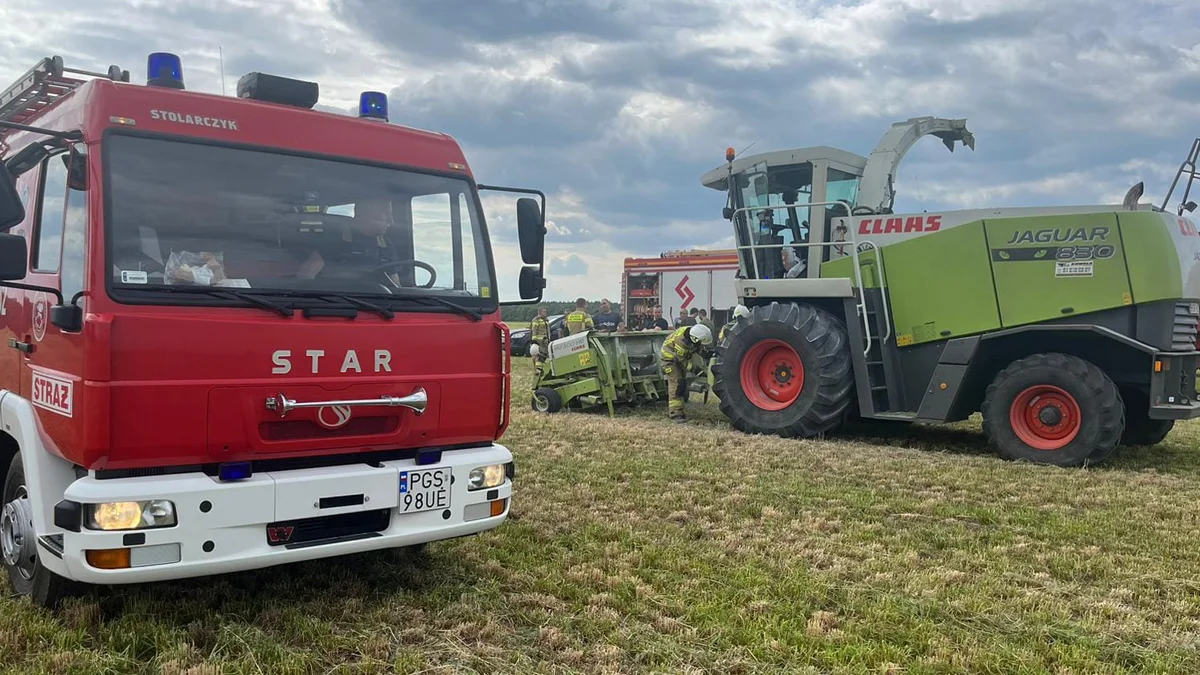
column 424, row 490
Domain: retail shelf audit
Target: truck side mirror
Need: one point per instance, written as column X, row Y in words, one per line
column 14, row 253
column 76, row 163
column 531, row 231
column 12, row 211
column 68, row 318
column 530, row 283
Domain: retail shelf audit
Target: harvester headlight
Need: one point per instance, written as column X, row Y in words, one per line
column 131, row 515
column 484, row 477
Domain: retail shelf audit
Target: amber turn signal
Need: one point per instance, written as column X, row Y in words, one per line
column 109, row 558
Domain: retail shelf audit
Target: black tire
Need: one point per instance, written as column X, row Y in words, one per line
column 820, row 342
column 43, row 587
column 546, row 400
column 1098, row 426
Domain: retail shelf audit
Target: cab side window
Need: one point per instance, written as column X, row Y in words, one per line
column 48, row 248
column 61, row 235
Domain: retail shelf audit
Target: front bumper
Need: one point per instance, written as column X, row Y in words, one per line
column 223, row 526
column 1173, row 394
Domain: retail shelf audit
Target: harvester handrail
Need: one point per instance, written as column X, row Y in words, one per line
column 862, row 296
column 887, row 317
column 1189, row 167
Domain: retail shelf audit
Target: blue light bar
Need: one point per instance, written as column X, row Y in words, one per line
column 233, row 471
column 373, row 105
column 164, row 70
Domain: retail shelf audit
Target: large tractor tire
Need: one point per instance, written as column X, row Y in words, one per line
column 1053, row 409
column 785, row 370
column 1139, row 428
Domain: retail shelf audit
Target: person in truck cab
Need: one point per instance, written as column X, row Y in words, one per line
column 369, row 241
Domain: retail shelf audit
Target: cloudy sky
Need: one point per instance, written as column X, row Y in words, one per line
column 616, row 107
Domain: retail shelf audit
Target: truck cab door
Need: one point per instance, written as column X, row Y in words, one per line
column 52, row 359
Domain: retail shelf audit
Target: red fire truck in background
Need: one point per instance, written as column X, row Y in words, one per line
column 240, row 332
column 680, row 280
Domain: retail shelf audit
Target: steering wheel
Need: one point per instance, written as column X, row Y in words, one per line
column 399, row 264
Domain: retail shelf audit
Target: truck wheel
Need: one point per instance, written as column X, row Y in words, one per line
column 785, row 370
column 546, row 400
column 1139, row 428
column 18, row 543
column 1053, row 409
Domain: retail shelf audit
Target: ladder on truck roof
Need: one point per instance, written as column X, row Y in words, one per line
column 42, row 86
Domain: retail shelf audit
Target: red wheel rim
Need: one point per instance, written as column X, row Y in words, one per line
column 1045, row 417
column 772, row 375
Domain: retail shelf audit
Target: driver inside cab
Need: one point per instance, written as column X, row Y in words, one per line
column 352, row 250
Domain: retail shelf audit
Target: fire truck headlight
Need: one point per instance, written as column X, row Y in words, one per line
column 483, row 477
column 131, row 515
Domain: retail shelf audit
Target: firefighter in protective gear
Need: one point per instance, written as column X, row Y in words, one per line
column 539, row 342
column 539, row 332
column 579, row 320
column 739, row 312
column 677, row 352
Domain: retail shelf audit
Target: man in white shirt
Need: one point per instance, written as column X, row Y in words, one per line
column 793, row 263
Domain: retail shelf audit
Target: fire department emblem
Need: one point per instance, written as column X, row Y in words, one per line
column 41, row 312
column 333, row 416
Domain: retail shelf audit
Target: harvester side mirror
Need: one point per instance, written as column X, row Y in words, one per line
column 12, row 211
column 14, row 256
column 727, row 213
column 1189, row 207
column 531, row 230
column 531, row 283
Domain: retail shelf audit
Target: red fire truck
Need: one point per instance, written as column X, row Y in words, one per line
column 680, row 280
column 240, row 332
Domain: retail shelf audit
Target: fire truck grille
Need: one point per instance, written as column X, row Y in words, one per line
column 288, row 430
column 328, row 529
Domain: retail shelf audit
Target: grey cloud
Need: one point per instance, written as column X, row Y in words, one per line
column 452, row 29
column 571, row 265
column 1050, row 89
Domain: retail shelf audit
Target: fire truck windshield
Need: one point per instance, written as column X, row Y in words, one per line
column 198, row 214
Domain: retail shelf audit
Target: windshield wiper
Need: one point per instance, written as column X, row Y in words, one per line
column 437, row 300
column 344, row 297
column 255, row 300
column 363, row 304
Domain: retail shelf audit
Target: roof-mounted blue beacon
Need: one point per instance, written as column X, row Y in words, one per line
column 373, row 105
column 164, row 70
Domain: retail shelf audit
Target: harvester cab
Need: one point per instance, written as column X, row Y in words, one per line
column 1071, row 329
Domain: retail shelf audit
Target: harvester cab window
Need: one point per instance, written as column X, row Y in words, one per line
column 839, row 186
column 782, row 230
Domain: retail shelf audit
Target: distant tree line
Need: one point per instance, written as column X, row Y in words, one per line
column 525, row 313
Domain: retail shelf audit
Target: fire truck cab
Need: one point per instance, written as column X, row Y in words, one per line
column 239, row 332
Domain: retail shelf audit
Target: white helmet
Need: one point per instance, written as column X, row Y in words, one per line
column 741, row 311
column 534, row 350
column 700, row 333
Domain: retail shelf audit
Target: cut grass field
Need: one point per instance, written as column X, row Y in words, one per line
column 641, row 546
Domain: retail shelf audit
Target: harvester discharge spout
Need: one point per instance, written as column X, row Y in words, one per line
column 876, row 194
